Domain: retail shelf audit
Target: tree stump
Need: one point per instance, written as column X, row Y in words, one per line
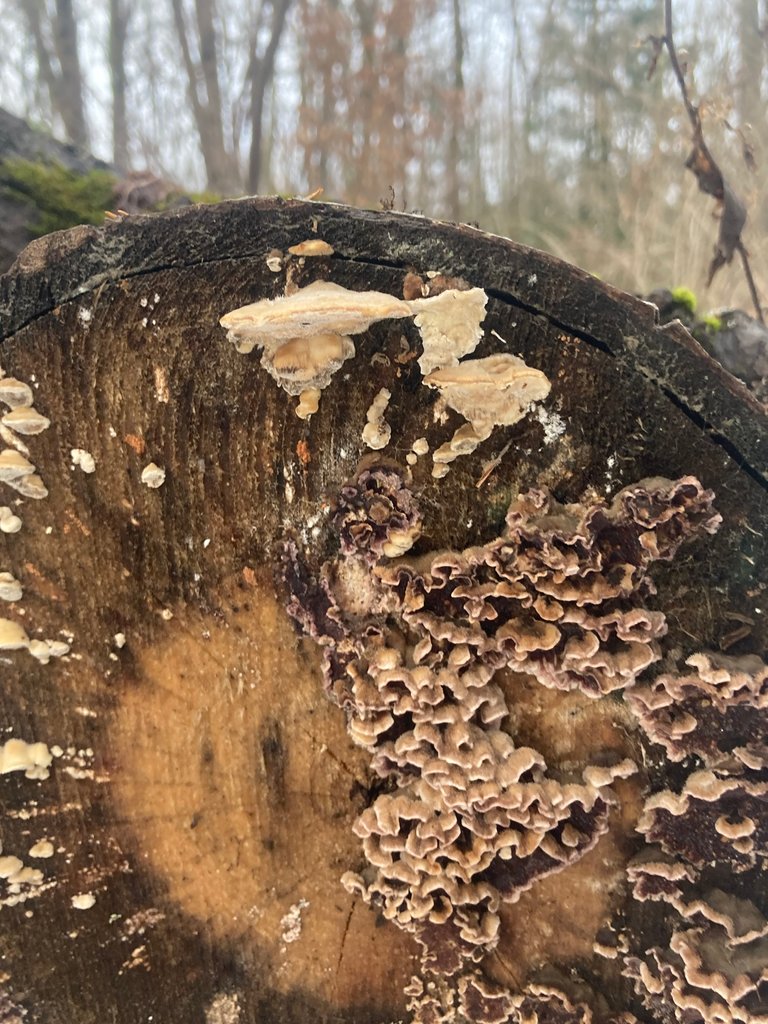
column 180, row 836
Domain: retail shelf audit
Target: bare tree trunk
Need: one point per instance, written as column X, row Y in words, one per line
column 456, row 116
column 221, row 171
column 71, row 79
column 65, row 85
column 751, row 59
column 119, row 15
column 261, row 70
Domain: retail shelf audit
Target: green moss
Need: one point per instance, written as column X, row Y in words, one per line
column 685, row 297
column 205, row 197
column 62, row 198
column 712, row 322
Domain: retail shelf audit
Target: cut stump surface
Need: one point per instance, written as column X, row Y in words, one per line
column 185, row 850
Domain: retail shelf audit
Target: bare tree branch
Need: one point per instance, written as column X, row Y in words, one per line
column 701, row 163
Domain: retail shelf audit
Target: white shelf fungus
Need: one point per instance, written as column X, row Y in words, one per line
column 42, row 849
column 449, row 324
column 34, row 759
column 26, row 420
column 312, row 247
column 30, row 486
column 10, row 588
column 13, row 637
column 15, row 393
column 495, row 391
column 9, row 523
column 44, row 650
column 80, row 457
column 153, row 475
column 305, row 337
column 309, row 402
column 376, row 432
column 83, row 901
column 13, row 466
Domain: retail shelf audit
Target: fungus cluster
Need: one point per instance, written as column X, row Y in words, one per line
column 467, row 819
column 707, row 846
column 495, row 391
column 716, row 711
column 16, row 469
column 19, row 473
column 305, row 337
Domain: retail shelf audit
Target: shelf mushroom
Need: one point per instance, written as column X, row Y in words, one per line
column 305, row 337
column 495, row 391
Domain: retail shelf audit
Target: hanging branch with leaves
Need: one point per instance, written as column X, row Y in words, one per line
column 733, row 212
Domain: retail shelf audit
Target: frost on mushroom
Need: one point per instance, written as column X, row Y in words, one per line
column 305, row 337
column 468, row 819
column 495, row 391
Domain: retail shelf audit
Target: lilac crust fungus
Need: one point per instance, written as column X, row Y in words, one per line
column 467, row 819
column 707, row 846
column 716, row 711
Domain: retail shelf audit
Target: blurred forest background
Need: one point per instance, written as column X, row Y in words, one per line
column 536, row 119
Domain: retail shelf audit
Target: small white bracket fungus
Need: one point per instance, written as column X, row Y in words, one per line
column 376, row 432
column 309, row 401
column 33, row 759
column 153, row 476
column 26, row 420
column 83, row 901
column 42, row 849
column 13, row 466
column 15, row 393
column 312, row 247
column 449, row 324
column 30, row 486
column 303, row 363
column 9, row 437
column 319, row 308
column 275, row 261
column 9, row 523
column 463, row 442
column 495, row 391
column 80, row 457
column 44, row 650
column 13, row 637
column 10, row 588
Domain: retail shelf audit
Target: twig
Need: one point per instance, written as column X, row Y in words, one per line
column 741, row 250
